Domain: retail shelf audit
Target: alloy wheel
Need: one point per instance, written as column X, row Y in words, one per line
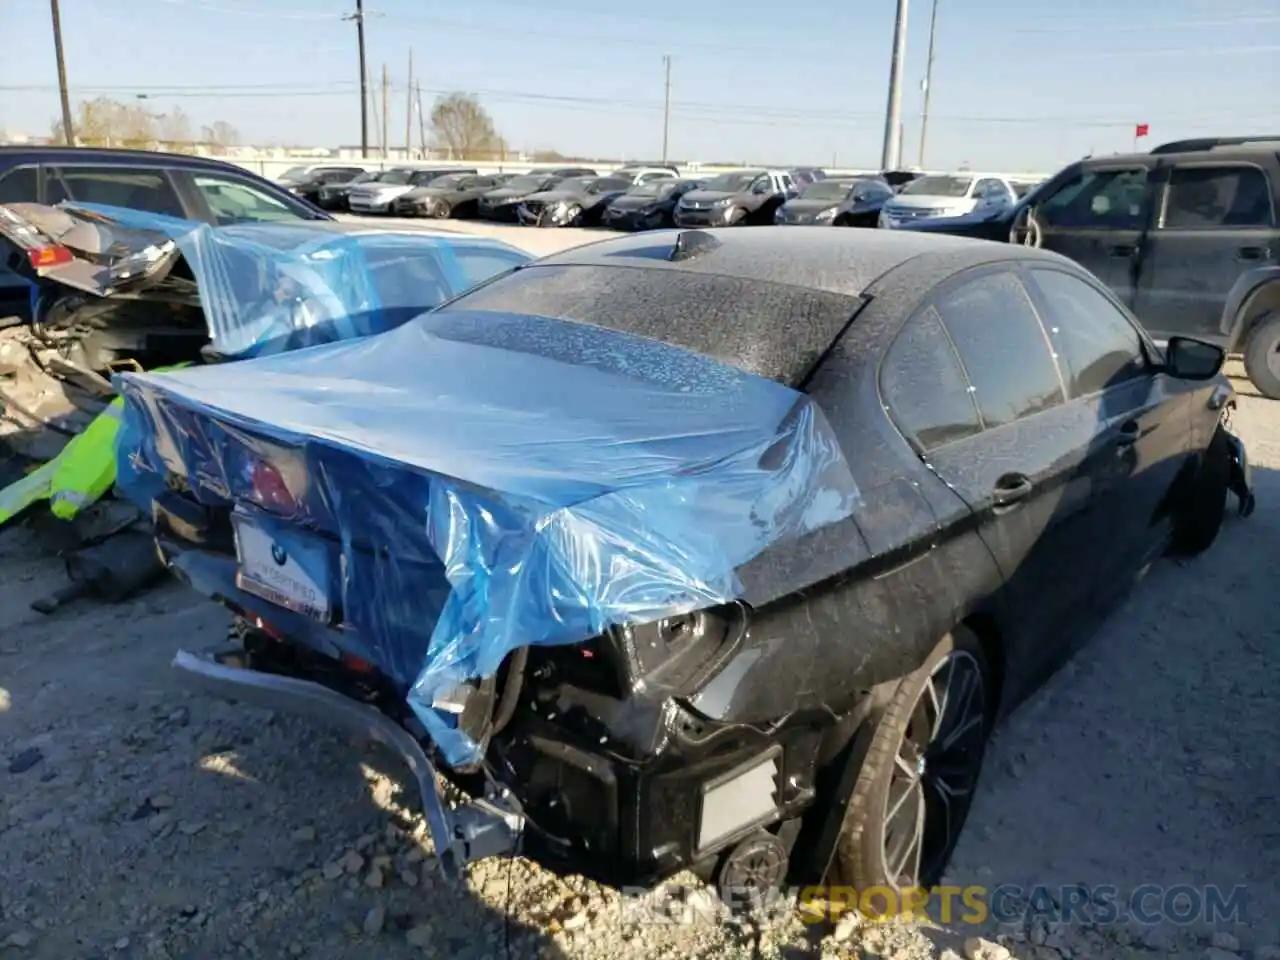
column 935, row 771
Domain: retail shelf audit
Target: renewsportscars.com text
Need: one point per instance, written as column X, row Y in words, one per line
column 1148, row 904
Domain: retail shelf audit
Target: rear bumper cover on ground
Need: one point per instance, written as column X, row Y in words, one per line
column 461, row 835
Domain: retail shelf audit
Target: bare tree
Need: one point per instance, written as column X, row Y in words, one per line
column 173, row 130
column 104, row 122
column 463, row 128
column 107, row 122
column 220, row 134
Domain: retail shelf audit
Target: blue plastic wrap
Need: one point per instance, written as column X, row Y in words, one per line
column 471, row 483
column 272, row 287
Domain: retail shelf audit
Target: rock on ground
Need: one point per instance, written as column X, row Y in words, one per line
column 139, row 821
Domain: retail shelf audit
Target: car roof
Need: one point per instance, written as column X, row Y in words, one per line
column 838, row 261
column 57, row 153
column 768, row 304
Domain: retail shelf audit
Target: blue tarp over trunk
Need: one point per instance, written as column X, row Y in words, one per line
column 493, row 480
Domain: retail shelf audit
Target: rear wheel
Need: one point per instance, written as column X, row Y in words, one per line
column 1262, row 355
column 1197, row 522
column 916, row 785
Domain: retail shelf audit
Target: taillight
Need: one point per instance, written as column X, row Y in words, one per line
column 269, row 489
column 51, row 256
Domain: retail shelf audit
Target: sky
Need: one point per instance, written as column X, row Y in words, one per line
column 1017, row 86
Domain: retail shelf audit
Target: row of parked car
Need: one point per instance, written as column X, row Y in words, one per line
column 650, row 196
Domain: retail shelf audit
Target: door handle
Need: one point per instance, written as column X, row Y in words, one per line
column 1010, row 490
column 1123, row 250
column 1253, row 253
column 1128, row 433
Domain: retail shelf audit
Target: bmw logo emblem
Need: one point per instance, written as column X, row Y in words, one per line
column 278, row 555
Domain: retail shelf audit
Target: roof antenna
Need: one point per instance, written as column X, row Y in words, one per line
column 691, row 243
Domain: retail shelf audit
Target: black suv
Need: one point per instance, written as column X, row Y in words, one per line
column 1185, row 235
column 194, row 188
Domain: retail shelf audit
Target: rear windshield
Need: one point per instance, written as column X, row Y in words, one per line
column 770, row 329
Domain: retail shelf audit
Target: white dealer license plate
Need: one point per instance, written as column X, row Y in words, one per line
column 295, row 577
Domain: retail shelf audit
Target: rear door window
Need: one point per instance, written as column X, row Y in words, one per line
column 925, row 387
column 1003, row 347
column 1220, row 197
column 120, row 186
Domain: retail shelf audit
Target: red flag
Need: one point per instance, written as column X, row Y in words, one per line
column 1141, row 130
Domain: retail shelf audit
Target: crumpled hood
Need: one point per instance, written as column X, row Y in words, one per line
column 563, row 477
column 555, row 196
column 505, row 196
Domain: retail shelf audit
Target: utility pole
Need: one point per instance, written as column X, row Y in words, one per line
column 422, row 126
column 666, row 106
column 68, row 133
column 891, row 156
column 371, row 105
column 928, row 84
column 385, row 136
column 408, row 110
column 358, row 17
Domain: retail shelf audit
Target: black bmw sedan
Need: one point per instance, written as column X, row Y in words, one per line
column 792, row 517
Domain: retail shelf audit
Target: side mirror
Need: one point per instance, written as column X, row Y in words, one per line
column 1190, row 359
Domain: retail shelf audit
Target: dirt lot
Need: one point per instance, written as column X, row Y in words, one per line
column 139, row 821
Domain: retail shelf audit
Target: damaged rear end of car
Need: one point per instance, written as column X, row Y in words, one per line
column 524, row 552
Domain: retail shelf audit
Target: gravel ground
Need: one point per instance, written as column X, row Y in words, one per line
column 139, row 821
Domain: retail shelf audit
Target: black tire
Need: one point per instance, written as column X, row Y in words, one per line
column 441, row 210
column 861, row 859
column 1204, row 505
column 1263, row 342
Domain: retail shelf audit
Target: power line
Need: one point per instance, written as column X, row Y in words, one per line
column 710, row 110
column 611, row 36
